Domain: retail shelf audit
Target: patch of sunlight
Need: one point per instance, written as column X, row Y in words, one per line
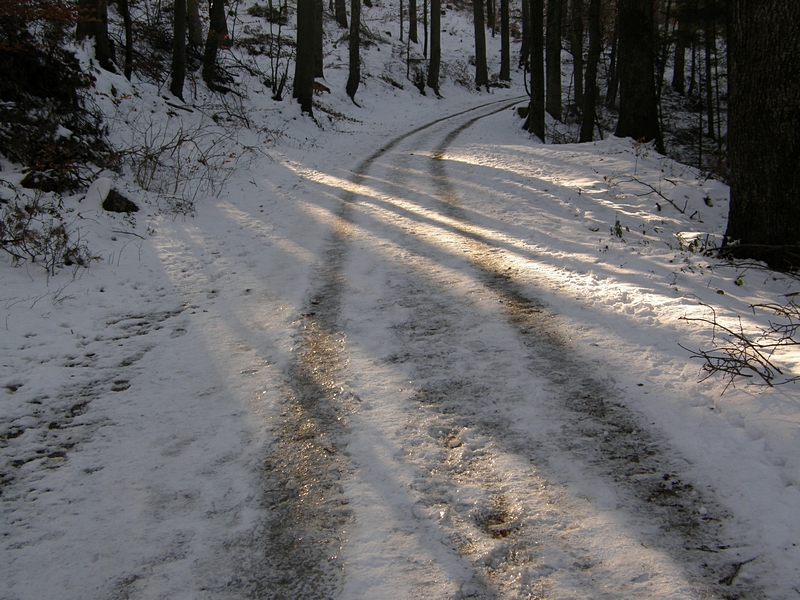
column 328, row 179
column 288, row 246
column 226, row 329
column 558, row 176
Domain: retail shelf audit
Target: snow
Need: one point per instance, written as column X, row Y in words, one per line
column 142, row 400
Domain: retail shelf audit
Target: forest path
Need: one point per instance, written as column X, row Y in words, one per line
column 440, row 435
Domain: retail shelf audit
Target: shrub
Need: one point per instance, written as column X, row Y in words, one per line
column 36, row 229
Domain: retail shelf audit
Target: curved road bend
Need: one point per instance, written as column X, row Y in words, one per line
column 440, row 436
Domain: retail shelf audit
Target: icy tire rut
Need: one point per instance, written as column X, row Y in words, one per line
column 486, row 439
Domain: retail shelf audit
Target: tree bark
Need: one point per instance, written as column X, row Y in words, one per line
column 525, row 46
column 95, row 27
column 178, row 49
column 505, row 42
column 412, row 21
column 553, row 52
column 535, row 121
column 764, row 132
column 401, row 20
column 193, row 23
column 481, row 70
column 590, row 92
column 303, row 87
column 217, row 38
column 354, row 76
column 638, row 107
column 340, row 12
column 318, row 35
column 576, row 49
column 436, row 46
column 425, row 27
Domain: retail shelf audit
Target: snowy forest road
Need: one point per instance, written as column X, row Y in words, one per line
column 358, row 374
column 440, row 434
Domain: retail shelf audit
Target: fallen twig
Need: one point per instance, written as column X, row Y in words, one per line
column 742, row 355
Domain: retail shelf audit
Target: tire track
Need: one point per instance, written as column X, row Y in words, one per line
column 500, row 529
column 295, row 552
column 599, row 430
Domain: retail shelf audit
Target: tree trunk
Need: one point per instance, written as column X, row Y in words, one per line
column 425, row 28
column 96, row 27
column 401, row 20
column 303, row 88
column 178, row 49
column 412, row 21
column 490, row 18
column 590, row 94
column 576, row 48
column 354, row 77
column 505, row 42
column 217, row 38
column 535, row 121
column 553, row 51
column 481, row 70
column 436, row 46
column 193, row 23
column 87, row 11
column 525, row 47
column 340, row 12
column 764, row 132
column 318, row 34
column 638, row 108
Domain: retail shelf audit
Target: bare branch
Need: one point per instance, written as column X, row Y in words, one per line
column 737, row 354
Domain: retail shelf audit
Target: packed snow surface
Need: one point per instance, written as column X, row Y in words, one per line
column 409, row 353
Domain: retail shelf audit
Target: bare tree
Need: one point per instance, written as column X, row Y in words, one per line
column 412, row 21
column 193, row 24
column 590, row 91
column 340, row 12
column 764, row 132
column 354, row 76
column 481, row 70
column 178, row 48
column 436, row 46
column 303, row 87
column 525, row 46
column 638, row 106
column 535, row 121
column 505, row 42
column 318, row 36
column 553, row 52
column 217, row 38
column 94, row 25
column 576, row 49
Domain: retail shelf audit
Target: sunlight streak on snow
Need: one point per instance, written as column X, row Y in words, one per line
column 244, row 370
column 243, row 219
